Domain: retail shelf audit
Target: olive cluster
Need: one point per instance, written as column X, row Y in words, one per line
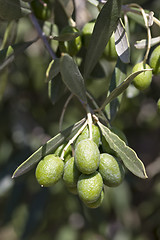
column 85, row 169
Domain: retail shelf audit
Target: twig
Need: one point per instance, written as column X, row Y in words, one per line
column 42, row 35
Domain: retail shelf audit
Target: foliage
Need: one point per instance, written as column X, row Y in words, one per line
column 83, row 86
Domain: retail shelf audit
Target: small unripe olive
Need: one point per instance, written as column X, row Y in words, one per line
column 110, row 50
column 87, row 156
column 142, row 80
column 87, row 32
column 155, row 60
column 97, row 203
column 85, row 134
column 71, row 47
column 111, row 169
column 41, row 10
column 49, row 170
column 105, row 146
column 71, row 173
column 90, row 187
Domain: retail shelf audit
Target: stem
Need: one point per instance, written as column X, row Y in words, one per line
column 63, row 111
column 89, row 118
column 97, row 108
column 73, row 139
column 42, row 35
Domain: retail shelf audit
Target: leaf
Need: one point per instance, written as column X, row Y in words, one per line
column 67, row 36
column 53, row 69
column 118, row 77
column 10, row 9
column 122, row 87
column 122, row 43
column 105, row 25
column 8, row 54
column 143, row 43
column 136, row 17
column 127, row 155
column 72, row 77
column 56, row 88
column 48, row 147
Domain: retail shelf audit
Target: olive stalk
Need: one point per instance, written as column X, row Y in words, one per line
column 73, row 139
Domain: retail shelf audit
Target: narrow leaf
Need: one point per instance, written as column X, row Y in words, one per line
column 8, row 54
column 72, row 77
column 66, row 36
column 122, row 87
column 143, row 43
column 127, row 155
column 56, row 89
column 122, row 43
column 118, row 77
column 105, row 25
column 53, row 69
column 10, row 9
column 48, row 147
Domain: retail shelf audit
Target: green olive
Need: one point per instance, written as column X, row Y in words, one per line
column 90, row 187
column 41, row 9
column 71, row 173
column 143, row 80
column 49, row 170
column 111, row 169
column 73, row 190
column 155, row 60
column 71, row 47
column 110, row 50
column 87, row 32
column 87, row 156
column 85, row 134
column 97, row 203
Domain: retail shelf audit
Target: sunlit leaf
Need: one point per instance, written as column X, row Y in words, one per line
column 53, row 69
column 122, row 87
column 72, row 77
column 105, row 25
column 48, row 147
column 127, row 155
column 143, row 43
column 122, row 43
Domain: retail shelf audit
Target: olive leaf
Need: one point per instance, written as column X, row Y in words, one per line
column 10, row 9
column 72, row 77
column 53, row 69
column 122, row 87
column 122, row 43
column 118, row 77
column 7, row 55
column 47, row 148
column 67, row 36
column 105, row 24
column 127, row 155
column 143, row 43
column 56, row 88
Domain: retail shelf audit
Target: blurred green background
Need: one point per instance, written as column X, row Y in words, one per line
column 28, row 119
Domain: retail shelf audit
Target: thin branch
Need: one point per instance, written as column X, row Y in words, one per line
column 42, row 35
